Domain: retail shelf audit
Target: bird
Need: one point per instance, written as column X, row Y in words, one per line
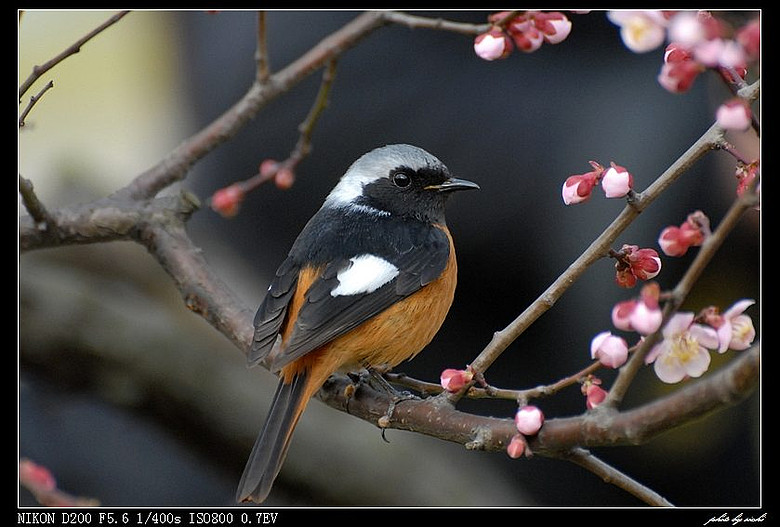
column 367, row 284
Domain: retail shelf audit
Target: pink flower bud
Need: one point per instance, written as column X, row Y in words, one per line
column 676, row 52
column 578, row 188
column 621, row 314
column 610, row 350
column 749, row 37
column 529, row 40
column 675, row 241
column 646, row 317
column 516, row 446
column 36, row 475
column 678, row 77
column 633, row 263
column 492, row 45
column 268, row 168
column 734, row 115
column 453, row 380
column 687, row 29
column 555, row 27
column 284, row 178
column 594, row 394
column 672, row 242
column 227, row 201
column 529, row 420
column 617, row 181
column 645, row 264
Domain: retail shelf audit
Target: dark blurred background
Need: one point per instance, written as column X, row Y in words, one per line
column 130, row 399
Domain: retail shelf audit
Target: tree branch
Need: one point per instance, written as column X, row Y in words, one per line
column 437, row 417
column 71, row 50
column 176, row 165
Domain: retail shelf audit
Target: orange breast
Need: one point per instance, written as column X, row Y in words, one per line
column 398, row 333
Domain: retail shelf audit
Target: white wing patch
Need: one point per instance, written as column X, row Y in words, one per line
column 366, row 274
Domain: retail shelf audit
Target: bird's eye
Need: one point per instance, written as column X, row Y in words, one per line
column 401, row 179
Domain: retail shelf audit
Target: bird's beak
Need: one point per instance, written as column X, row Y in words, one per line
column 453, row 184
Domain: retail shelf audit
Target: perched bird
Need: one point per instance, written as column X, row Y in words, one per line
column 367, row 284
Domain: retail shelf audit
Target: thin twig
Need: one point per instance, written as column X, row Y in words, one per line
column 303, row 145
column 610, row 474
column 33, row 205
column 421, row 22
column 261, row 54
column 178, row 162
column 71, row 50
column 33, row 100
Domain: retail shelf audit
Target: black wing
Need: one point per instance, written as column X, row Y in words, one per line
column 273, row 310
column 323, row 317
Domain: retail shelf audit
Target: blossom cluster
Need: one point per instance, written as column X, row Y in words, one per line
column 527, row 32
column 686, row 339
column 616, row 181
column 227, row 201
column 697, row 41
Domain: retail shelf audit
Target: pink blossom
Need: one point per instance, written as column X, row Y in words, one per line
column 594, row 394
column 735, row 330
column 644, row 315
column 492, row 45
column 621, row 313
column 516, row 446
column 641, row 31
column 578, row 188
column 529, row 420
column 227, row 201
column 686, row 28
column 678, row 77
column 555, row 27
column 453, row 380
column 616, row 181
column 749, row 37
column 734, row 114
column 675, row 241
column 633, row 263
column 610, row 350
column 683, row 352
column 529, row 40
column 36, row 476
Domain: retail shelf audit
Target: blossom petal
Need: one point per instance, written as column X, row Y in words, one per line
column 738, row 308
column 697, row 364
column 678, row 323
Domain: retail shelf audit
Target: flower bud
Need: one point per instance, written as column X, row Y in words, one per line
column 610, row 350
column 734, row 115
column 492, row 45
column 516, row 446
column 529, row 420
column 616, row 181
column 453, row 380
column 227, row 201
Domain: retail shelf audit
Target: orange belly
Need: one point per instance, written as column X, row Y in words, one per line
column 396, row 334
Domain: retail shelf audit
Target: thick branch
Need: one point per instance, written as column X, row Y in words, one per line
column 437, row 417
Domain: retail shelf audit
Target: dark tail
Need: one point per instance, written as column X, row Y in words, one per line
column 271, row 446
